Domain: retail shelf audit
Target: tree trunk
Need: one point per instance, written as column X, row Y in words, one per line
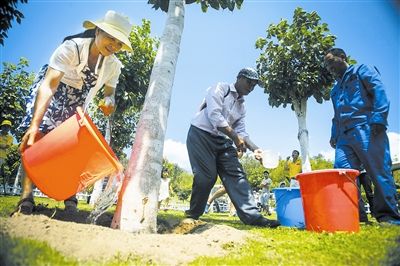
column 138, row 200
column 300, row 108
column 98, row 186
column 17, row 179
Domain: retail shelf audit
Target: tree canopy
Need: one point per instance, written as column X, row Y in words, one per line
column 131, row 88
column 9, row 12
column 205, row 4
column 291, row 62
column 15, row 83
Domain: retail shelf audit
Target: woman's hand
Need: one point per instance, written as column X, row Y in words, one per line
column 31, row 136
column 107, row 105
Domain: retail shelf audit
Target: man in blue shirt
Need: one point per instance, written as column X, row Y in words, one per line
column 359, row 128
column 215, row 128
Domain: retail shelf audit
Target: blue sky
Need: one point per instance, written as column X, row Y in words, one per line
column 217, row 44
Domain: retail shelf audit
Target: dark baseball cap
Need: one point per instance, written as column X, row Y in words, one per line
column 249, row 73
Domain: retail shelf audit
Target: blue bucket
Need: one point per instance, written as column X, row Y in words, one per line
column 289, row 207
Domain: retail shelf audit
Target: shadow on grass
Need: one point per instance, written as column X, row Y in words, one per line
column 79, row 216
column 393, row 256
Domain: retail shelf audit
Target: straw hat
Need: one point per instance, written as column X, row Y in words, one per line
column 114, row 24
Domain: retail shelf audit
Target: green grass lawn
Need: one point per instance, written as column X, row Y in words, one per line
column 374, row 245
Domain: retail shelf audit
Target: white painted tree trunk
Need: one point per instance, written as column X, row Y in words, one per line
column 17, row 178
column 138, row 200
column 98, row 186
column 300, row 108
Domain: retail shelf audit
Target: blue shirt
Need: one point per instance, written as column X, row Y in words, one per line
column 358, row 98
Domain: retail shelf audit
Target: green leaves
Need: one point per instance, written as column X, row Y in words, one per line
column 131, row 89
column 14, row 88
column 204, row 4
column 291, row 57
column 9, row 12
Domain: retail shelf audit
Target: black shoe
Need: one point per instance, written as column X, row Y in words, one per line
column 264, row 222
column 188, row 214
column 70, row 206
column 25, row 206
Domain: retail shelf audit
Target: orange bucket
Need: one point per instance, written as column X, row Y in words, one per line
column 71, row 157
column 330, row 200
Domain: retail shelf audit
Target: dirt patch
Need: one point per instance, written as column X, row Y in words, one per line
column 181, row 241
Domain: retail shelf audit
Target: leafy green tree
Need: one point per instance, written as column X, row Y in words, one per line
column 291, row 67
column 131, row 89
column 279, row 174
column 140, row 187
column 9, row 12
column 181, row 181
column 14, row 84
column 254, row 170
column 10, row 167
column 319, row 162
column 174, row 172
column 182, row 185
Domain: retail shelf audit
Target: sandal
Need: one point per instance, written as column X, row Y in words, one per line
column 25, row 206
column 71, row 204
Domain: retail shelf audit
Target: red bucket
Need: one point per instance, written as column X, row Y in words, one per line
column 69, row 158
column 330, row 200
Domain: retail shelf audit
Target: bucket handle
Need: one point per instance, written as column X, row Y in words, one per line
column 343, row 172
column 354, row 183
column 82, row 123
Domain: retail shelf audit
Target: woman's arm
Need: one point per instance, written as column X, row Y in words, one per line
column 45, row 92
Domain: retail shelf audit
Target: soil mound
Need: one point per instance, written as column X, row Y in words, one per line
column 178, row 241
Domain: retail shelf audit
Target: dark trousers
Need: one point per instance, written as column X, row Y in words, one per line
column 365, row 182
column 357, row 148
column 211, row 156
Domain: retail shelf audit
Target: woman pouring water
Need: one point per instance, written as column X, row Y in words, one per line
column 77, row 69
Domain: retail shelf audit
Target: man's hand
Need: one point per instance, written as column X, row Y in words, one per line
column 239, row 141
column 258, row 154
column 240, row 144
column 332, row 142
column 377, row 129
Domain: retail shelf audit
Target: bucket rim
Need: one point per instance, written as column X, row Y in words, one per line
column 336, row 170
column 285, row 188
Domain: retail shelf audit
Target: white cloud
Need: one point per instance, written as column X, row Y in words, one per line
column 176, row 152
column 394, row 141
column 328, row 155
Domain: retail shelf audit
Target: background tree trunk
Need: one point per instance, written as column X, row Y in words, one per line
column 17, row 180
column 138, row 200
column 300, row 108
